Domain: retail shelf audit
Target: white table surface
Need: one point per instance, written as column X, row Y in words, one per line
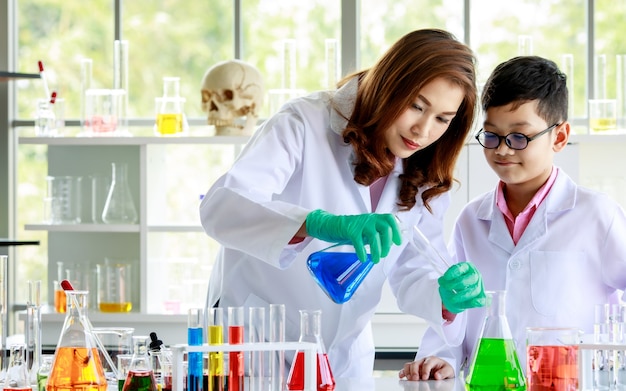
column 395, row 384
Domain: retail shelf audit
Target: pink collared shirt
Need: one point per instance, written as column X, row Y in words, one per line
column 517, row 225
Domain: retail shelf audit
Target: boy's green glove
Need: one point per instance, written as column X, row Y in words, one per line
column 461, row 287
column 377, row 230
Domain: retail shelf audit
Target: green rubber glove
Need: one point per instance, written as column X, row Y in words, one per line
column 377, row 230
column 461, row 287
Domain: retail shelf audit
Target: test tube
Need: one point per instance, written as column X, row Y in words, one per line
column 194, row 359
column 33, row 330
column 257, row 359
column 86, row 74
column 120, row 80
column 601, row 368
column 235, row 359
column 277, row 334
column 621, row 90
column 216, row 359
column 288, row 53
column 331, row 63
column 599, row 76
column 567, row 66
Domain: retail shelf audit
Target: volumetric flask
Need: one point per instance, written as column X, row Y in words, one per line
column 77, row 362
column 311, row 331
column 495, row 364
column 338, row 271
column 552, row 358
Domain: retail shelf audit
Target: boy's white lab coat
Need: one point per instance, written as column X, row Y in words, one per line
column 571, row 256
column 295, row 163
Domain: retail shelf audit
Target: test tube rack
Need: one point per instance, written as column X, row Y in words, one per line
column 585, row 361
column 309, row 349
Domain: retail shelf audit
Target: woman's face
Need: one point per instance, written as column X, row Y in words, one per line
column 427, row 119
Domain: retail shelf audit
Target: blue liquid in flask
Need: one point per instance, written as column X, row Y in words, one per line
column 338, row 273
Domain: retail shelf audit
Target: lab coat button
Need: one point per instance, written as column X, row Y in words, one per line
column 515, row 264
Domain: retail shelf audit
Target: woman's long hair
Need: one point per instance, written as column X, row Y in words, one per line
column 388, row 88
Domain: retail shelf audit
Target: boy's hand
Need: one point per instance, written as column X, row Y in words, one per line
column 428, row 368
column 461, row 287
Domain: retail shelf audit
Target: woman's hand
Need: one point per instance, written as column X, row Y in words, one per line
column 427, row 368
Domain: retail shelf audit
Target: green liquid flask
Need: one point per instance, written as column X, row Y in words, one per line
column 495, row 364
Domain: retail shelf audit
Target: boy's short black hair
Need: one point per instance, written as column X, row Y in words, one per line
column 527, row 78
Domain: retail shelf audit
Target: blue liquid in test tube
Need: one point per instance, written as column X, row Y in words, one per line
column 194, row 359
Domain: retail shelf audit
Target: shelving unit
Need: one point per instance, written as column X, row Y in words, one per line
column 165, row 217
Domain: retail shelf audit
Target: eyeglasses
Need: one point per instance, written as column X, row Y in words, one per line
column 515, row 140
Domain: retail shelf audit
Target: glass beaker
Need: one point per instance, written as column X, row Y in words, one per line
column 116, row 341
column 17, row 373
column 170, row 116
column 552, row 358
column 114, row 286
column 311, row 331
column 140, row 375
column 45, row 122
column 338, row 271
column 77, row 362
column 495, row 363
column 65, row 193
column 119, row 207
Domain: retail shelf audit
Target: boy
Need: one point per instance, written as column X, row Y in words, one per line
column 557, row 249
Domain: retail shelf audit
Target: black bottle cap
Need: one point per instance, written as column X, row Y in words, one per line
column 155, row 343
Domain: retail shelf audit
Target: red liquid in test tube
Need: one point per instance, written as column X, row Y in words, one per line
column 236, row 360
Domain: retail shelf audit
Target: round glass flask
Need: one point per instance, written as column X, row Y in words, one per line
column 495, row 364
column 77, row 364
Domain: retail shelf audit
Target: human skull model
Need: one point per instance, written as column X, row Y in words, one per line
column 232, row 96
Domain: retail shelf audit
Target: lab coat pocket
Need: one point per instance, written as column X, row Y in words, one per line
column 553, row 279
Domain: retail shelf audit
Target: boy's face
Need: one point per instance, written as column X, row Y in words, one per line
column 528, row 168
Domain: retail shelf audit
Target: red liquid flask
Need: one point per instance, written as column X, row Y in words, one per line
column 310, row 331
column 140, row 375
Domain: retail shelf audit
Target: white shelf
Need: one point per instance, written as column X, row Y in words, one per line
column 82, row 227
column 237, row 140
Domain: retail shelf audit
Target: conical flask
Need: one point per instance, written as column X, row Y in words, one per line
column 338, row 271
column 495, row 364
column 76, row 364
column 119, row 207
column 311, row 331
column 140, row 375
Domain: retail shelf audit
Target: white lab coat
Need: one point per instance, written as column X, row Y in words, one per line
column 571, row 256
column 295, row 163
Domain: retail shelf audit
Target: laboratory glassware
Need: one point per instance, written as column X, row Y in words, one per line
column 77, row 360
column 194, row 359
column 120, row 80
column 32, row 332
column 495, row 363
column 45, row 121
column 44, row 371
column 66, row 198
column 86, row 76
column 17, row 378
column 552, row 358
column 114, row 286
column 216, row 359
column 140, row 376
column 235, row 358
column 277, row 357
column 338, row 271
column 311, row 331
column 119, row 207
column 115, row 341
column 257, row 358
column 170, row 116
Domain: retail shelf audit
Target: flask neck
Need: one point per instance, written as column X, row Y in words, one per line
column 310, row 326
column 496, row 303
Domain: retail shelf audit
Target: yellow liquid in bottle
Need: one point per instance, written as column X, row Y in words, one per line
column 60, row 301
column 602, row 124
column 167, row 124
column 116, row 307
column 74, row 369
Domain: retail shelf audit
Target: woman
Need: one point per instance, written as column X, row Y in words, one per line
column 386, row 142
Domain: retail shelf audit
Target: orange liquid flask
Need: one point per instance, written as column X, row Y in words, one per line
column 77, row 364
column 310, row 331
